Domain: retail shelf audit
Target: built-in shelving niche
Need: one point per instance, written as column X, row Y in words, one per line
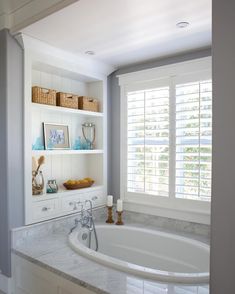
column 68, row 164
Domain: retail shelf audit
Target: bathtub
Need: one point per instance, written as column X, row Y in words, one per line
column 150, row 254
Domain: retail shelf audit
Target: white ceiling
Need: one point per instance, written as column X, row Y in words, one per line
column 127, row 31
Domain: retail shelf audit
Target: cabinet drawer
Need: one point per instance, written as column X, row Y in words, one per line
column 72, row 203
column 46, row 208
column 97, row 198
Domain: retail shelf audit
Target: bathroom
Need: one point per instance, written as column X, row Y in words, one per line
column 116, row 155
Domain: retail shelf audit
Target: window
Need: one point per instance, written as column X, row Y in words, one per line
column 148, row 132
column 148, row 141
column 166, row 135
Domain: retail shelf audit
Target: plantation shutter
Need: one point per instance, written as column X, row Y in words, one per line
column 193, row 140
column 148, row 141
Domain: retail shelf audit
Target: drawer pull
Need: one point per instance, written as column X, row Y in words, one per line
column 46, row 208
column 94, row 198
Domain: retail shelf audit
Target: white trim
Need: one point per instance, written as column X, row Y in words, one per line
column 19, row 17
column 53, row 56
column 5, row 21
column 182, row 68
column 5, row 284
column 183, row 209
column 32, row 12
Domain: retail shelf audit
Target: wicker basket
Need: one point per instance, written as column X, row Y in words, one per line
column 67, row 100
column 88, row 103
column 43, row 95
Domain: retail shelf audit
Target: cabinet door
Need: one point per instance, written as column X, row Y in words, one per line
column 27, row 280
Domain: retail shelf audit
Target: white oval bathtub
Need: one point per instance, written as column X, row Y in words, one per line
column 148, row 253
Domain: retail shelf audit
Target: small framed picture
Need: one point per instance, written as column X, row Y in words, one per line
column 56, row 136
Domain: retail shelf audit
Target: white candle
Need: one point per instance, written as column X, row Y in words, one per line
column 119, row 205
column 110, row 201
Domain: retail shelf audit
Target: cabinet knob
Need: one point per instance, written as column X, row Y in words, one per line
column 45, row 208
column 94, row 198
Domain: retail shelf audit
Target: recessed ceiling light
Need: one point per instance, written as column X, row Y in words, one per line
column 182, row 24
column 90, row 52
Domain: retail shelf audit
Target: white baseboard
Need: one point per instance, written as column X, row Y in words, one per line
column 5, row 284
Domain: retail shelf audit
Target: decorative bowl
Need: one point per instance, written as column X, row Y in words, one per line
column 78, row 186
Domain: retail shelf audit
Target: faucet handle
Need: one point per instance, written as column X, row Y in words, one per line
column 76, row 221
column 82, row 209
column 90, row 204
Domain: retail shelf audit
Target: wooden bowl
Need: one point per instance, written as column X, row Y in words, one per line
column 78, row 186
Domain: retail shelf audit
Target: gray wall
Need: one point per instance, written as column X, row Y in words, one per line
column 114, row 123
column 11, row 144
column 223, row 191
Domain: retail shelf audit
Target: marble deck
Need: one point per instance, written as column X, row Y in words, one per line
column 93, row 276
column 47, row 246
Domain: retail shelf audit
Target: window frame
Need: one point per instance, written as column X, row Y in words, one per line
column 183, row 209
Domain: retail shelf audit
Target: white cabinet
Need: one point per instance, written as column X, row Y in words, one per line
column 28, row 278
column 43, row 68
column 66, row 202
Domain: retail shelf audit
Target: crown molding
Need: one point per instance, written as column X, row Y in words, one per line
column 74, row 62
column 31, row 12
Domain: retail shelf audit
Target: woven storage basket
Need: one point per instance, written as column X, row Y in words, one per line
column 88, row 103
column 67, row 100
column 43, row 95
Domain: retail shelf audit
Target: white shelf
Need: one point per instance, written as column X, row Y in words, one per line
column 66, row 152
column 66, row 110
column 64, row 192
column 56, row 73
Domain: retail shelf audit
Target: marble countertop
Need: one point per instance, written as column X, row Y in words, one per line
column 52, row 252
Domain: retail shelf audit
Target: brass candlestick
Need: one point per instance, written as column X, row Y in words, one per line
column 110, row 215
column 119, row 220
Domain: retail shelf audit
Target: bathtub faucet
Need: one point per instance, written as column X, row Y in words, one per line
column 86, row 220
column 90, row 224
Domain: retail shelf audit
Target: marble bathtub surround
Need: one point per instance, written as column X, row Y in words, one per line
column 64, row 224
column 64, row 262
column 56, row 226
column 46, row 245
column 168, row 224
